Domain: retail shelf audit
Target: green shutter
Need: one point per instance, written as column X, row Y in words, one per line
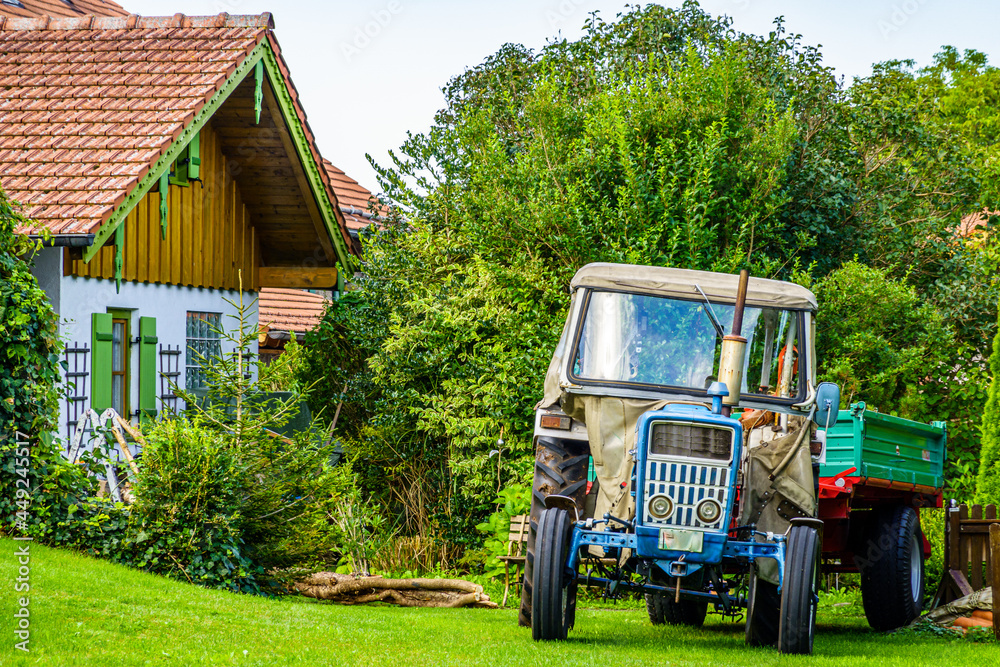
column 147, row 367
column 100, row 367
column 194, row 157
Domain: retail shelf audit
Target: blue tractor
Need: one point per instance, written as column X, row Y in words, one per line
column 648, row 384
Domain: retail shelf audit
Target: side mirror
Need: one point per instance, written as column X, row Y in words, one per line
column 827, row 404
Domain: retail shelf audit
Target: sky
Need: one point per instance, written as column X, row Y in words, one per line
column 369, row 71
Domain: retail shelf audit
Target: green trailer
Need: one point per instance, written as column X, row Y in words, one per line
column 877, row 470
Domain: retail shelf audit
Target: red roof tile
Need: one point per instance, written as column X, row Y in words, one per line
column 69, row 8
column 282, row 310
column 89, row 107
column 353, row 197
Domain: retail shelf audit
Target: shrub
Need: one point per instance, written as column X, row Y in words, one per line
column 512, row 501
column 285, row 480
column 879, row 340
column 29, row 356
column 186, row 521
column 29, row 373
column 285, row 371
column 932, row 525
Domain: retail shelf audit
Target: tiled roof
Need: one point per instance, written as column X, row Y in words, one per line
column 91, row 103
column 353, row 198
column 284, row 310
column 61, row 8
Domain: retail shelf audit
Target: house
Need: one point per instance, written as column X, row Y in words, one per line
column 171, row 165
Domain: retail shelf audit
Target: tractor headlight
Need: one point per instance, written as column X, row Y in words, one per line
column 661, row 507
column 709, row 510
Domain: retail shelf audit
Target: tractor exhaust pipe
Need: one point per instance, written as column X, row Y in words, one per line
column 734, row 347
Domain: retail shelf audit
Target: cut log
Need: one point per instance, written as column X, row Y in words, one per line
column 348, row 589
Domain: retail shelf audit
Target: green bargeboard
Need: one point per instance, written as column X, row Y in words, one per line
column 884, row 447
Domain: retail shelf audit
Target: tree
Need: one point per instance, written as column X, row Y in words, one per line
column 662, row 138
column 988, row 481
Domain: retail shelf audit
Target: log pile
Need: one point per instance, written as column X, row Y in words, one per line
column 349, row 589
column 972, row 611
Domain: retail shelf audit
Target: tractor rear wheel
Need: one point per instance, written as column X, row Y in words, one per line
column 763, row 605
column 560, row 469
column 554, row 603
column 800, row 584
column 892, row 568
column 662, row 608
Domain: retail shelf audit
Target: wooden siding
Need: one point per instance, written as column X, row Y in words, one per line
column 209, row 234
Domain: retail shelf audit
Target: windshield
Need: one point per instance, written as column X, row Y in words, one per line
column 649, row 340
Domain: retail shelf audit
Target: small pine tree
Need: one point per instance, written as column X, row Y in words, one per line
column 988, row 483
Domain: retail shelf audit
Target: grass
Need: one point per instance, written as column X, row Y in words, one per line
column 84, row 611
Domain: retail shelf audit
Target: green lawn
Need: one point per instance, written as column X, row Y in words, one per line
column 85, row 611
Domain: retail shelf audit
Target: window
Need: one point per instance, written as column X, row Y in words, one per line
column 119, row 366
column 202, row 345
column 661, row 342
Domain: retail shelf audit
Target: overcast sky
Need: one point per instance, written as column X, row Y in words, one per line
column 368, row 71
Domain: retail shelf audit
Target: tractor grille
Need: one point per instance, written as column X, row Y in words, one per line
column 670, row 471
column 689, row 440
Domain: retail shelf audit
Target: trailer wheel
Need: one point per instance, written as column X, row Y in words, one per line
column 663, row 609
column 892, row 569
column 797, row 621
column 554, row 603
column 560, row 468
column 763, row 605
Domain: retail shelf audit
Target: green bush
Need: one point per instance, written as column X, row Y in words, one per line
column 284, row 373
column 879, row 340
column 187, row 519
column 220, row 498
column 29, row 375
column 932, row 526
column 512, row 501
column 29, row 355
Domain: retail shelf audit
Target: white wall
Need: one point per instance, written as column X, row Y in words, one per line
column 46, row 266
column 169, row 304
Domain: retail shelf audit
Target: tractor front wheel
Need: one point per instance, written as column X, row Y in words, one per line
column 554, row 602
column 560, row 469
column 797, row 619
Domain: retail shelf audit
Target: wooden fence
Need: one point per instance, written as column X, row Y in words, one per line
column 968, row 565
